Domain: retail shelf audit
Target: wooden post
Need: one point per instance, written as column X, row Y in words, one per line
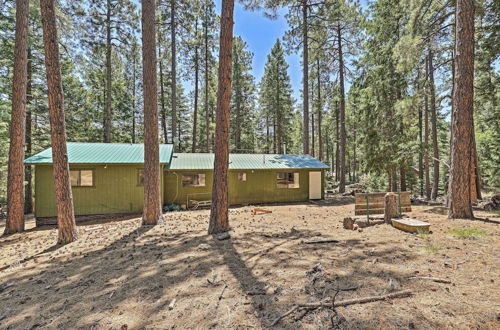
column 390, row 207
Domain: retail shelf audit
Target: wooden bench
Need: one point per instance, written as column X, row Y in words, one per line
column 373, row 203
column 197, row 204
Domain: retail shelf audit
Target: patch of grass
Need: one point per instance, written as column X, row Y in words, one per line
column 431, row 248
column 468, row 232
column 423, row 233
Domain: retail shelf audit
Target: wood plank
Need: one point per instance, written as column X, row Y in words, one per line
column 376, row 205
column 379, row 210
column 410, row 225
column 373, row 196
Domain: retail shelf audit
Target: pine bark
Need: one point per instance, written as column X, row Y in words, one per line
column 320, row 115
column 462, row 124
column 207, row 86
column 15, row 172
column 342, row 146
column 426, row 140
column 237, row 96
column 173, row 32
column 28, row 176
column 162, row 93
column 196, row 82
column 152, row 200
column 435, row 146
column 134, row 97
column 219, row 221
column 67, row 231
column 305, row 78
column 420, row 143
column 109, row 112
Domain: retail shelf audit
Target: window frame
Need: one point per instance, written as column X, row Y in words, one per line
column 139, row 183
column 79, row 179
column 194, row 186
column 290, row 184
column 242, row 176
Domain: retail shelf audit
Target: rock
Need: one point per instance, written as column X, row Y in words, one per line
column 204, row 247
column 222, row 236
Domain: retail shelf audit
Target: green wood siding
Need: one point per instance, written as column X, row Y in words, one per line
column 115, row 191
column 260, row 187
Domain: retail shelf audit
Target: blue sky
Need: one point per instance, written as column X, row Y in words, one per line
column 260, row 33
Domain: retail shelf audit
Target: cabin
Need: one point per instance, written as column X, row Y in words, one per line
column 107, row 178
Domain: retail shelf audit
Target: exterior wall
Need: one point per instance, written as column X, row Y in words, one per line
column 115, row 190
column 260, row 187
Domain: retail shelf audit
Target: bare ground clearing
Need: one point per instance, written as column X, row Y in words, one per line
column 121, row 275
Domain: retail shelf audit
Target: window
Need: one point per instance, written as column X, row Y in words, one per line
column 193, row 180
column 140, row 177
column 287, row 180
column 82, row 178
column 242, row 176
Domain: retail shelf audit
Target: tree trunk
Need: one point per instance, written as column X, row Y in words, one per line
column 320, row 139
column 109, row 114
column 219, row 221
column 67, row 231
column 152, row 200
column 28, row 192
column 279, row 111
column 420, row 143
column 435, row 146
column 402, row 176
column 173, row 32
column 237, row 95
column 462, row 125
column 134, row 97
column 305, row 78
column 337, row 138
column 207, row 85
column 162, row 93
column 15, row 173
column 426, row 139
column 196, row 81
column 390, row 207
column 342, row 114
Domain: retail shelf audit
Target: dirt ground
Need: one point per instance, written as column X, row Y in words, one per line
column 119, row 275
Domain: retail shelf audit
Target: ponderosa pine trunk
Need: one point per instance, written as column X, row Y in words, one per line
column 28, row 176
column 462, row 124
column 342, row 145
column 426, row 138
column 435, row 145
column 162, row 93
column 15, row 172
column 207, row 86
column 305, row 78
column 67, row 231
column 196, row 81
column 420, row 143
column 173, row 24
column 152, row 200
column 109, row 112
column 320, row 116
column 279, row 111
column 237, row 97
column 134, row 97
column 219, row 221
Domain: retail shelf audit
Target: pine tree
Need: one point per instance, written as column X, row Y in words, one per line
column 152, row 200
column 219, row 221
column 64, row 198
column 15, row 187
column 275, row 99
column 462, row 122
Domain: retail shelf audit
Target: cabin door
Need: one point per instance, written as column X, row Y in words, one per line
column 314, row 185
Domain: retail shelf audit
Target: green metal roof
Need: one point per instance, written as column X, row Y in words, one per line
column 183, row 161
column 102, row 153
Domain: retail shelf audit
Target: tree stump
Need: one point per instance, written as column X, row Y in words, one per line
column 390, row 207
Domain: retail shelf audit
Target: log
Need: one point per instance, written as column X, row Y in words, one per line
column 349, row 222
column 390, row 207
column 435, row 279
column 322, row 241
column 327, row 303
column 398, row 294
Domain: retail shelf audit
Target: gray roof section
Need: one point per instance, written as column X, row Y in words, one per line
column 205, row 161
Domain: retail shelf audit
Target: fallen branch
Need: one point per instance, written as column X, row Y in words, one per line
column 327, row 303
column 322, row 242
column 435, row 279
column 93, row 228
column 220, row 296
